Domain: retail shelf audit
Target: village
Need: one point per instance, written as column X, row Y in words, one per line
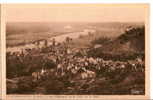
column 56, row 68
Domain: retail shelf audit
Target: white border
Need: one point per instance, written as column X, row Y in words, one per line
column 75, row 1
column 102, row 1
column 151, row 51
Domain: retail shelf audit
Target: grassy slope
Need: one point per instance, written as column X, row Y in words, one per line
column 127, row 46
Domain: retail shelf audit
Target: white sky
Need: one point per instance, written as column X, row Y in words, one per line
column 76, row 12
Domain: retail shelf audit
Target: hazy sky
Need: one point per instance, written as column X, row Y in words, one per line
column 76, row 12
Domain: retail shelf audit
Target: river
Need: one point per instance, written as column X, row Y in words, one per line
column 59, row 39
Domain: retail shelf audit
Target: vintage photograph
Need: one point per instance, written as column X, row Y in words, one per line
column 75, row 49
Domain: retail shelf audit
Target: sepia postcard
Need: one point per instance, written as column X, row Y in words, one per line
column 74, row 51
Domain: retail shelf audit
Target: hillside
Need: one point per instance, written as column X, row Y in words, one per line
column 130, row 43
